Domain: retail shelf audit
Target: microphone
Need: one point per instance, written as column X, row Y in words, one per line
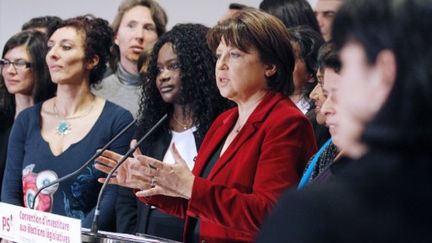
column 97, row 154
column 91, row 236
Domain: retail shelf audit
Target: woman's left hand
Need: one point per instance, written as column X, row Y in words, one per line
column 174, row 180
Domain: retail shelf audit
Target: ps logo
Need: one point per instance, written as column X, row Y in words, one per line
column 6, row 223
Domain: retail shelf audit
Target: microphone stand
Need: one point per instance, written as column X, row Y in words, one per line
column 97, row 154
column 92, row 235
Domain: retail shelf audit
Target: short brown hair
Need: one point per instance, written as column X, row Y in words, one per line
column 264, row 32
column 97, row 38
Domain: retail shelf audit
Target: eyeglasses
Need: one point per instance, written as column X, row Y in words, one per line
column 18, row 65
column 170, row 67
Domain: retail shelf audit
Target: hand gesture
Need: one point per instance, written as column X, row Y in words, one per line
column 128, row 174
column 170, row 180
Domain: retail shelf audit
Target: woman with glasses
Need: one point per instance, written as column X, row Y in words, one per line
column 24, row 81
column 54, row 138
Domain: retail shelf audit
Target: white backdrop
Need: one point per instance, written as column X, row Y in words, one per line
column 13, row 13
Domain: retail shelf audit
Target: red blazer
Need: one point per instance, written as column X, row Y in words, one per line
column 267, row 157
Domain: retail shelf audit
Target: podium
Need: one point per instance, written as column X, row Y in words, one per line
column 24, row 225
column 110, row 237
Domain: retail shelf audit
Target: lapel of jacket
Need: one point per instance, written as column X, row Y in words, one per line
column 219, row 133
column 161, row 145
column 252, row 124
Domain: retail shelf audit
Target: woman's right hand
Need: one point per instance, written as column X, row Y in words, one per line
column 129, row 174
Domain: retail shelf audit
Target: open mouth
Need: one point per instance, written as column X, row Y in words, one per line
column 223, row 81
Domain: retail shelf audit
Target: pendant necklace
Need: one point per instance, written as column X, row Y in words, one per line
column 64, row 127
column 185, row 126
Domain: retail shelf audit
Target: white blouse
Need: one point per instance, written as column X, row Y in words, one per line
column 185, row 144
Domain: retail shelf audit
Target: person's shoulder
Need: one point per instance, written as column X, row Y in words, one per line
column 110, row 78
column 226, row 114
column 107, row 83
column 275, row 103
column 286, row 112
column 307, row 215
column 114, row 118
column 116, row 110
column 221, row 119
column 286, row 105
column 30, row 113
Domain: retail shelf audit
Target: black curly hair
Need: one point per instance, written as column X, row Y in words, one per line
column 98, row 39
column 197, row 75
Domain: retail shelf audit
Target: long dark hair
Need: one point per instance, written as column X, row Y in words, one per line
column 43, row 88
column 197, row 75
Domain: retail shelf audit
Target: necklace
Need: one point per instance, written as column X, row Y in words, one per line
column 64, row 127
column 184, row 126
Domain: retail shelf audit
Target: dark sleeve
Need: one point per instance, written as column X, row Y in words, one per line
column 12, row 191
column 297, row 217
column 126, row 211
column 107, row 205
column 131, row 213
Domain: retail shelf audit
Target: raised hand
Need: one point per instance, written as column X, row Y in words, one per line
column 127, row 175
column 170, row 180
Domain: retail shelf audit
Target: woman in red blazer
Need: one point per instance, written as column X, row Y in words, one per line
column 251, row 153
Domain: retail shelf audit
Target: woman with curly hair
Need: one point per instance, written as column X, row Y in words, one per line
column 54, row 138
column 180, row 82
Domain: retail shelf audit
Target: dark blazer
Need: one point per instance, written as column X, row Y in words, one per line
column 267, row 157
column 133, row 215
column 385, row 196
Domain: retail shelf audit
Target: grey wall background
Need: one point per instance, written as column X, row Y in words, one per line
column 13, row 13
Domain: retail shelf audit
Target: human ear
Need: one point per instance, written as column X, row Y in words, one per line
column 116, row 41
column 386, row 68
column 386, row 60
column 270, row 70
column 92, row 62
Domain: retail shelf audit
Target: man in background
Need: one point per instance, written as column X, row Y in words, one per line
column 325, row 11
